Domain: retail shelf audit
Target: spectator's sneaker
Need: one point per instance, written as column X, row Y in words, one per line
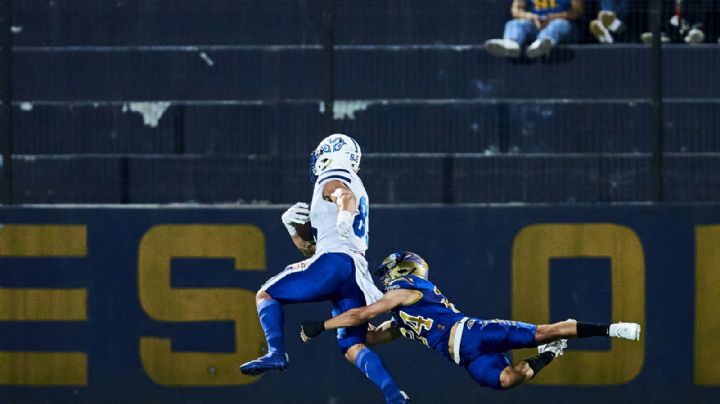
column 540, row 47
column 646, row 37
column 625, row 331
column 556, row 347
column 611, row 22
column 503, row 47
column 601, row 33
column 270, row 361
column 695, row 36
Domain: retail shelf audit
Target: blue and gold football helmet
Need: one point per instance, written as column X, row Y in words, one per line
column 399, row 264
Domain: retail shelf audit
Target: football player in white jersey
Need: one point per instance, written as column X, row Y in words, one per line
column 336, row 271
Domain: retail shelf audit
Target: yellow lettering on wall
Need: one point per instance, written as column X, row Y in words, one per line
column 243, row 243
column 707, row 301
column 533, row 248
column 31, row 304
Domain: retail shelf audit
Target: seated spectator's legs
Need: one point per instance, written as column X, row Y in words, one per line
column 609, row 20
column 518, row 30
column 516, row 33
column 558, row 31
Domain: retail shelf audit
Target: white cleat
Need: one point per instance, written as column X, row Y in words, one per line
column 556, row 347
column 625, row 331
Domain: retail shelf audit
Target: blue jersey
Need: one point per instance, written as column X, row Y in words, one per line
column 544, row 7
column 428, row 320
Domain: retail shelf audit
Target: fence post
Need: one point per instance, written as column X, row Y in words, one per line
column 329, row 52
column 6, row 147
column 657, row 115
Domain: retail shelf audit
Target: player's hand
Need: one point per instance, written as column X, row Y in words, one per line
column 344, row 224
column 310, row 329
column 537, row 21
column 298, row 213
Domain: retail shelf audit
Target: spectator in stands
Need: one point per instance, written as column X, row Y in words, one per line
column 548, row 22
column 685, row 20
column 609, row 20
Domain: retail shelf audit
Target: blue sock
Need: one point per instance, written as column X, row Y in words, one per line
column 370, row 364
column 271, row 319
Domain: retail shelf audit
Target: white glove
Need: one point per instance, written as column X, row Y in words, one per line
column 298, row 213
column 344, row 224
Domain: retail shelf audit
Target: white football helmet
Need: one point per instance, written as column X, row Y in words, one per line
column 336, row 150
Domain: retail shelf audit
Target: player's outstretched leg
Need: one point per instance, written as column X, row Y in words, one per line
column 371, row 365
column 578, row 329
column 271, row 319
column 526, row 369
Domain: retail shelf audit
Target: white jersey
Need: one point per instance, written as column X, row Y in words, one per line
column 323, row 214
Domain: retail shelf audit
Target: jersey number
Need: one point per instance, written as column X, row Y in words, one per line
column 417, row 323
column 545, row 4
column 360, row 223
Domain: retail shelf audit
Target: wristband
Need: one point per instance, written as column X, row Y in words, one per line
column 312, row 328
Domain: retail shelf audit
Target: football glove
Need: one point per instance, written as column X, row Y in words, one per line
column 344, row 224
column 298, row 213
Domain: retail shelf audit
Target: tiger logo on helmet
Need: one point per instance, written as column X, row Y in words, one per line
column 400, row 264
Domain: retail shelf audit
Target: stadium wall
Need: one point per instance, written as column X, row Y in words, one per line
column 156, row 305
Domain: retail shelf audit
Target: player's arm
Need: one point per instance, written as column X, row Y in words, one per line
column 360, row 315
column 307, row 248
column 338, row 193
column 384, row 333
column 300, row 214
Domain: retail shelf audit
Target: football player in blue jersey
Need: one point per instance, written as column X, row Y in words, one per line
column 336, row 271
column 421, row 312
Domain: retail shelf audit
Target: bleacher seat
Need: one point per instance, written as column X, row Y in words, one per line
column 242, row 84
column 66, row 179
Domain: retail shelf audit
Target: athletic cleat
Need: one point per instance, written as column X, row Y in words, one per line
column 625, row 331
column 270, row 361
column 401, row 399
column 556, row 347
